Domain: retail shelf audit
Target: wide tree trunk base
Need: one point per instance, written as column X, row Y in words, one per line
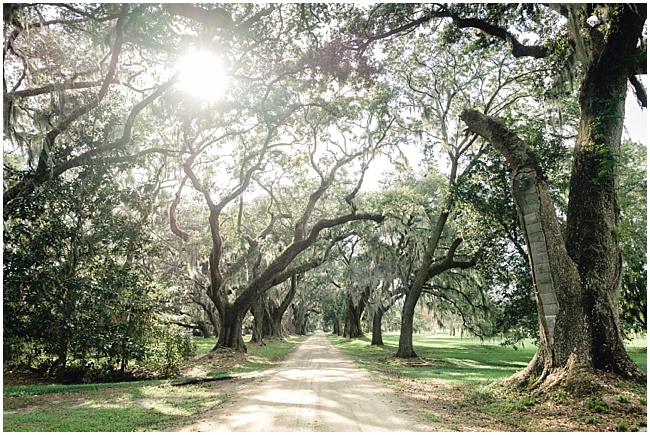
column 406, row 353
column 578, row 380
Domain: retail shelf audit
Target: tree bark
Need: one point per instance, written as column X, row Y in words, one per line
column 299, row 321
column 353, row 313
column 231, row 329
column 278, row 312
column 592, row 217
column 336, row 326
column 260, row 319
column 203, row 327
column 380, row 310
column 377, row 339
column 577, row 284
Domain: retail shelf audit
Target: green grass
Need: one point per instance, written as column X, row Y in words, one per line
column 470, row 367
column 638, row 351
column 204, row 345
column 35, row 390
column 127, row 406
column 463, row 360
column 454, row 359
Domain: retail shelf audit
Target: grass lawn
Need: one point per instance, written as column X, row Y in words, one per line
column 466, row 360
column 455, row 381
column 131, row 406
column 452, row 359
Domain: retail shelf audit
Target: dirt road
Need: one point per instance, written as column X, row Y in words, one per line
column 317, row 389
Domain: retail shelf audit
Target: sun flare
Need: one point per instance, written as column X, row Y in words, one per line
column 202, row 75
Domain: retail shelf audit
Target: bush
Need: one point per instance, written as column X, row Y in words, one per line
column 168, row 347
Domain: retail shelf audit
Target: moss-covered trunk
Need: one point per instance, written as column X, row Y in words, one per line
column 592, row 217
column 353, row 312
column 577, row 279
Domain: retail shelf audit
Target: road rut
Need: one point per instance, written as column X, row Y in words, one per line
column 317, row 389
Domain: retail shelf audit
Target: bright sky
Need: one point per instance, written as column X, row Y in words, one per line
column 636, row 120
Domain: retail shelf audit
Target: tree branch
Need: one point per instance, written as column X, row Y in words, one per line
column 28, row 185
column 516, row 151
column 639, row 91
column 172, row 214
column 517, row 48
column 32, row 92
column 449, row 263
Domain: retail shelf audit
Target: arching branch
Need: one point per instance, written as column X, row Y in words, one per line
column 27, row 185
column 184, row 235
column 517, row 48
column 441, row 11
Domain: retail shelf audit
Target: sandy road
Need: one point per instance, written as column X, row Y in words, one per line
column 317, row 389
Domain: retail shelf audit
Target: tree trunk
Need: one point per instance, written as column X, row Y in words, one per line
column 336, row 326
column 276, row 313
column 260, row 319
column 203, row 327
column 592, row 217
column 377, row 339
column 577, row 284
column 59, row 366
column 231, row 329
column 405, row 346
column 300, row 318
column 568, row 322
column 353, row 313
column 275, row 327
column 213, row 315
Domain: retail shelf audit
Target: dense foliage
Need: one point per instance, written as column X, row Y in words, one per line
column 77, row 277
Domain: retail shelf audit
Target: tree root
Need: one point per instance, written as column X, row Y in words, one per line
column 575, row 379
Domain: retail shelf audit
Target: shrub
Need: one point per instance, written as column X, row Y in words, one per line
column 168, row 347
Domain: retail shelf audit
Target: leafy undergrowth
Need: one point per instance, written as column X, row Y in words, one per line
column 457, row 383
column 205, row 383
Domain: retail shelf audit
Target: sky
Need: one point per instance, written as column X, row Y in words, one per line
column 636, row 120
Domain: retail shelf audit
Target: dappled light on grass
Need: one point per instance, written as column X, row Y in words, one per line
column 108, row 418
column 459, row 383
column 449, row 358
column 122, row 409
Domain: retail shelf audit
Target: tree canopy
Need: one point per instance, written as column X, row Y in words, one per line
column 206, row 166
